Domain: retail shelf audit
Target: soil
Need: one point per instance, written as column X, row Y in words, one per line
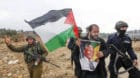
column 13, row 65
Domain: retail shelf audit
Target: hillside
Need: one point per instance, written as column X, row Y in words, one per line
column 13, row 65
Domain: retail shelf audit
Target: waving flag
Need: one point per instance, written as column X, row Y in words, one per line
column 88, row 52
column 55, row 27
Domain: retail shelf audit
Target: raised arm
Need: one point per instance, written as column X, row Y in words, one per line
column 12, row 47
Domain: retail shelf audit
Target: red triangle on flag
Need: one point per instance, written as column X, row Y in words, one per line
column 70, row 20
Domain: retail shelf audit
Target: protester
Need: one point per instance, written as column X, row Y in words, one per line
column 100, row 71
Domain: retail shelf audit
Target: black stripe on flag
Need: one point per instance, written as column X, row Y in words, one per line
column 51, row 16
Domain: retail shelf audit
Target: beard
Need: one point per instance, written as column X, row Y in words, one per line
column 94, row 37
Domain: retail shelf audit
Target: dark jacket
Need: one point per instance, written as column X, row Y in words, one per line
column 75, row 56
column 100, row 71
column 124, row 44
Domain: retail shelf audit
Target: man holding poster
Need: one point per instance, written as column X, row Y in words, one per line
column 93, row 51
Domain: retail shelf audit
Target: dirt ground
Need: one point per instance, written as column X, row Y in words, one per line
column 12, row 64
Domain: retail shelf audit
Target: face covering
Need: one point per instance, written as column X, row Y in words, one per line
column 122, row 33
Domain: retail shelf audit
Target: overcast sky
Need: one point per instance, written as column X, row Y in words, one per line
column 105, row 13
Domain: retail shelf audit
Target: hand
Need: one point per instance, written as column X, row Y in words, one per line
column 78, row 42
column 135, row 62
column 67, row 42
column 37, row 61
column 7, row 40
column 100, row 54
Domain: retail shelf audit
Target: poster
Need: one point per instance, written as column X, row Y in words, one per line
column 88, row 54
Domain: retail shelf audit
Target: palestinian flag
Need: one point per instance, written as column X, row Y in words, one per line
column 55, row 28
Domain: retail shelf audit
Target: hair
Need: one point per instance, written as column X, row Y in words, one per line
column 89, row 28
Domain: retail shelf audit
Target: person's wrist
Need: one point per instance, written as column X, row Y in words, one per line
column 8, row 44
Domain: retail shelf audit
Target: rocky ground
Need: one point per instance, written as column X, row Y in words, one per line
column 12, row 64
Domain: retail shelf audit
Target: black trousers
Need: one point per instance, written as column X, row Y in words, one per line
column 88, row 74
column 126, row 63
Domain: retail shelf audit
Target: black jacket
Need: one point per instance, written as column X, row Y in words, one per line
column 124, row 44
column 100, row 71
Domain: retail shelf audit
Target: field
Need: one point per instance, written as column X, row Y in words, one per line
column 13, row 65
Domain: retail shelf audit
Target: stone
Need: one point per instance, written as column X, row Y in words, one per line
column 13, row 61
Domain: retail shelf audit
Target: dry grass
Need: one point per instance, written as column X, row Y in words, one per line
column 136, row 46
column 60, row 57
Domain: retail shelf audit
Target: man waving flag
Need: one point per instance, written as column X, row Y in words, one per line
column 55, row 27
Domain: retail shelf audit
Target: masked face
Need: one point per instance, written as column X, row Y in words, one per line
column 94, row 33
column 123, row 31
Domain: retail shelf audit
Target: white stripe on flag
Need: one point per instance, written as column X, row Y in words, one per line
column 49, row 30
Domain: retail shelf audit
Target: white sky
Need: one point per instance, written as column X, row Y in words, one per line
column 105, row 13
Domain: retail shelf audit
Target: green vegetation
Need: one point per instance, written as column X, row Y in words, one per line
column 7, row 32
column 15, row 36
